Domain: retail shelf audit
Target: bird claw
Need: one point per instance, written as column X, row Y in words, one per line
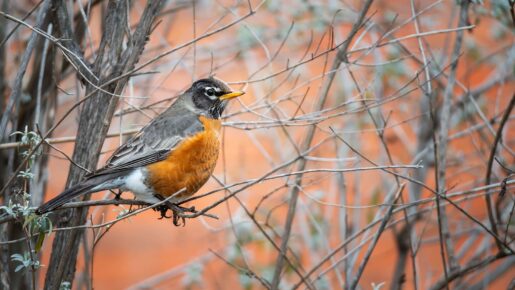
column 178, row 212
column 162, row 209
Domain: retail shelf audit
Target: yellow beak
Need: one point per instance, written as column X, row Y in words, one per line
column 231, row 95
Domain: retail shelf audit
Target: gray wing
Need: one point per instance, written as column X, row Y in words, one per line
column 154, row 142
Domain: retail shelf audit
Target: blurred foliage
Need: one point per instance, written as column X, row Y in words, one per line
column 193, row 276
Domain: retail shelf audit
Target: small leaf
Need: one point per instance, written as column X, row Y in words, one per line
column 16, row 257
column 39, row 242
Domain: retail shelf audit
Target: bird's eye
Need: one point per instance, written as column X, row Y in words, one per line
column 210, row 92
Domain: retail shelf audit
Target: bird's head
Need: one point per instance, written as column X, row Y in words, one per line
column 210, row 96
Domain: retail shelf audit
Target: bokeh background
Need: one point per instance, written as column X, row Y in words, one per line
column 381, row 115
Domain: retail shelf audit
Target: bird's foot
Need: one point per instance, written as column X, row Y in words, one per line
column 163, row 209
column 178, row 212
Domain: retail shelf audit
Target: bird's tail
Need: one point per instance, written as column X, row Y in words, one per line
column 65, row 196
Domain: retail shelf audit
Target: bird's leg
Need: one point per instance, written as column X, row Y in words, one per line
column 118, row 195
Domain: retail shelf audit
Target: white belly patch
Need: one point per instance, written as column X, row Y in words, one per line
column 135, row 182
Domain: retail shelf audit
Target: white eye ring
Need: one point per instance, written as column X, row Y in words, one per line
column 210, row 92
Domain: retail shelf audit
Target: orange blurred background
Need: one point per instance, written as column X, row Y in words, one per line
column 144, row 252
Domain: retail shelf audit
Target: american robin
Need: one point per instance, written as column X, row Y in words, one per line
column 176, row 151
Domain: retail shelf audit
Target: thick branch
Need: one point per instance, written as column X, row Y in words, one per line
column 93, row 125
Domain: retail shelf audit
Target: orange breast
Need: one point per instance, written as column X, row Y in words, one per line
column 190, row 164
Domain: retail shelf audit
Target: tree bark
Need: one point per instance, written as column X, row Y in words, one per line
column 95, row 117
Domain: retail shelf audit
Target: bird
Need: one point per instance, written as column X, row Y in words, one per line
column 177, row 150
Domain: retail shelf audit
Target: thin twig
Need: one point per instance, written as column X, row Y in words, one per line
column 378, row 233
column 490, row 208
column 293, row 194
column 441, row 145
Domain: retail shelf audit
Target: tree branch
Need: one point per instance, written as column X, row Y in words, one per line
column 490, row 208
column 293, row 194
column 93, row 125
